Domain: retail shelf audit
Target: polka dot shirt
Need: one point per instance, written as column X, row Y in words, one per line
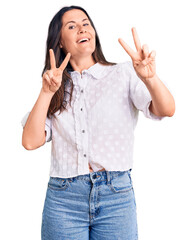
column 98, row 127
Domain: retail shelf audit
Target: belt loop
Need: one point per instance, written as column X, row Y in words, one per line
column 108, row 177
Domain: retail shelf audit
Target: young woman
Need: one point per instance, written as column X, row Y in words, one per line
column 89, row 107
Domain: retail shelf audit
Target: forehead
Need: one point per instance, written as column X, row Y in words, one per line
column 73, row 15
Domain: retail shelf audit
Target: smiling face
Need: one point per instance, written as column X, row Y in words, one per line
column 77, row 34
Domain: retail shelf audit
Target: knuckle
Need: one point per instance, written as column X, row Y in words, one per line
column 45, row 74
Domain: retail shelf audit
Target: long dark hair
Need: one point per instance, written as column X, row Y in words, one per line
column 53, row 41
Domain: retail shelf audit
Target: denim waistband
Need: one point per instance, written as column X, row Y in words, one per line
column 100, row 175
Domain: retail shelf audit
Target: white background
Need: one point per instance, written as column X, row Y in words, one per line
column 164, row 173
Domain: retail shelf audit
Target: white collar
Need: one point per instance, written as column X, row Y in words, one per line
column 98, row 71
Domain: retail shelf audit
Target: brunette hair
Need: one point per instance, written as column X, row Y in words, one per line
column 64, row 94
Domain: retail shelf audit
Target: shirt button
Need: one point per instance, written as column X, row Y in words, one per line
column 84, row 155
column 83, row 131
column 81, row 109
column 82, row 91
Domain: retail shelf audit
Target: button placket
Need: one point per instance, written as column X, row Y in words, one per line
column 83, row 159
column 84, row 136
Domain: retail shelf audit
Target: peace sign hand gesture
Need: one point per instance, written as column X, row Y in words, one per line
column 51, row 80
column 143, row 61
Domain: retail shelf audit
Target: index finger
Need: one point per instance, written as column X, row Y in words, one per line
column 65, row 62
column 129, row 50
column 136, row 39
column 52, row 59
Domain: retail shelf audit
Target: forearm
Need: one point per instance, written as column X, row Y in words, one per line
column 163, row 103
column 34, row 130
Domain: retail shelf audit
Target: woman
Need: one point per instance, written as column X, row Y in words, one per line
column 89, row 107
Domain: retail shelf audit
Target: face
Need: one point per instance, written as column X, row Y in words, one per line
column 77, row 34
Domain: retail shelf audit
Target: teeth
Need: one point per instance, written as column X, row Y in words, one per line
column 84, row 39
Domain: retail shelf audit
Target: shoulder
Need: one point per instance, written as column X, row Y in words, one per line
column 122, row 66
column 117, row 66
column 126, row 66
column 125, row 69
column 119, row 70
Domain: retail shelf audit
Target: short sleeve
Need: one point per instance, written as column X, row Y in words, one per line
column 48, row 129
column 48, row 126
column 138, row 92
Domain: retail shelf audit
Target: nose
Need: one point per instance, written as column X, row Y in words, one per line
column 81, row 29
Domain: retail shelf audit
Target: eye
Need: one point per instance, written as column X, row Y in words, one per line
column 85, row 24
column 71, row 27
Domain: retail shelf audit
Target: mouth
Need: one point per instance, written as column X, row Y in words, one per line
column 83, row 40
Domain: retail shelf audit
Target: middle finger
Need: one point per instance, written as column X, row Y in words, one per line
column 136, row 40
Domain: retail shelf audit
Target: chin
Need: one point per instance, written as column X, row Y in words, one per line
column 87, row 52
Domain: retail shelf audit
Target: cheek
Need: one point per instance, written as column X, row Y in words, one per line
column 94, row 42
column 67, row 43
column 93, row 35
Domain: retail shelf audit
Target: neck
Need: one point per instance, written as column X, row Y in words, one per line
column 80, row 64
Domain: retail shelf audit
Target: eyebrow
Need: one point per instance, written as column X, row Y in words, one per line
column 75, row 22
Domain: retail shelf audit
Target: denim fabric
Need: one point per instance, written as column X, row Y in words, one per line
column 96, row 206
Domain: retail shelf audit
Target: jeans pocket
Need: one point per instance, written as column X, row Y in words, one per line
column 121, row 183
column 58, row 184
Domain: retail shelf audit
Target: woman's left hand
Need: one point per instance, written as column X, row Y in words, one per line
column 143, row 61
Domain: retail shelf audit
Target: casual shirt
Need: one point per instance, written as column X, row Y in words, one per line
column 98, row 127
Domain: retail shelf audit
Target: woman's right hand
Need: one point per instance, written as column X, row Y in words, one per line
column 51, row 80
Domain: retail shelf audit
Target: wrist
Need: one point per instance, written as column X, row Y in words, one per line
column 47, row 94
column 150, row 81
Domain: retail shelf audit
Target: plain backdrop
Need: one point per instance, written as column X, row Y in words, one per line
column 164, row 172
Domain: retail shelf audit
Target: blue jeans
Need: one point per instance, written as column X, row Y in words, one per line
column 96, row 206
